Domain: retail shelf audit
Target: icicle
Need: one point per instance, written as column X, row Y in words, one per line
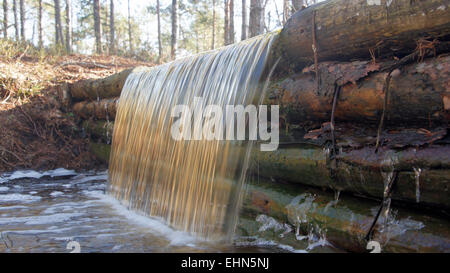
column 417, row 172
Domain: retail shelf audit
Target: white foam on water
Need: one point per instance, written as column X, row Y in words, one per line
column 25, row 174
column 3, row 189
column 60, row 172
column 13, row 207
column 176, row 238
column 41, row 219
column 56, row 193
column 36, row 175
column 269, row 243
column 84, row 179
column 68, row 206
column 38, row 231
column 15, row 197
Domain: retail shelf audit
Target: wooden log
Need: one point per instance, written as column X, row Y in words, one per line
column 93, row 89
column 104, row 109
column 419, row 94
column 352, row 29
column 343, row 221
column 362, row 172
column 359, row 172
column 99, row 130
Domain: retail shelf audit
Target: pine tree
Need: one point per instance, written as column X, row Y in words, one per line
column 112, row 28
column 97, row 27
column 173, row 43
column 5, row 19
column 69, row 26
column 244, row 21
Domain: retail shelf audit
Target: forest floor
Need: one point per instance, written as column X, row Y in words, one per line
column 36, row 131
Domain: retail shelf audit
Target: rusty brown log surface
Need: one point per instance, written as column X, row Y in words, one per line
column 93, row 89
column 354, row 29
column 104, row 109
column 419, row 93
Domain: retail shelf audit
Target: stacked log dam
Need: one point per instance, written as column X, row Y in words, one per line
column 364, row 96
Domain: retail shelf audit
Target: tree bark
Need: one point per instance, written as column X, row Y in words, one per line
column 173, row 43
column 40, row 40
column 297, row 5
column 231, row 20
column 361, row 171
column 419, row 94
column 112, row 28
column 390, row 28
column 5, row 19
column 226, row 30
column 256, row 25
column 213, row 42
column 158, row 15
column 97, row 27
column 16, row 20
column 69, row 26
column 130, row 36
column 22, row 19
column 94, row 89
column 59, row 38
column 244, row 21
column 104, row 109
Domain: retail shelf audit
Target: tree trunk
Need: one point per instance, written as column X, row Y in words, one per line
column 5, row 19
column 94, row 89
column 130, row 36
column 231, row 20
column 59, row 38
column 40, row 40
column 22, row 19
column 362, row 28
column 226, row 27
column 112, row 29
column 256, row 25
column 173, row 43
column 244, row 21
column 213, row 42
column 362, row 171
column 297, row 5
column 104, row 109
column 16, row 20
column 419, row 94
column 69, row 26
column 158, row 15
column 286, row 11
column 97, row 27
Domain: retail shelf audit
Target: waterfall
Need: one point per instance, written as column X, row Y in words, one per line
column 196, row 185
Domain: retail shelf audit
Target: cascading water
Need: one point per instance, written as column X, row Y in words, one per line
column 194, row 185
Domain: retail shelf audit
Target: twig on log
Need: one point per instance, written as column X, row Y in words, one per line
column 386, row 196
column 385, row 105
column 337, row 90
column 314, row 48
